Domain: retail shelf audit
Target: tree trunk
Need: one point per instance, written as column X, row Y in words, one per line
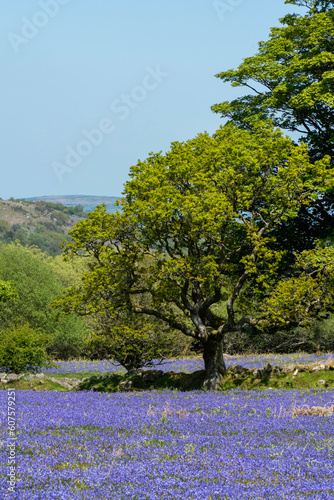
column 214, row 363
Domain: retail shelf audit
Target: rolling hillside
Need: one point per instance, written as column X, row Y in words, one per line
column 39, row 223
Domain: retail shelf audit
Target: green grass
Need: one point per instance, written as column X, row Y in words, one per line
column 33, row 385
column 170, row 380
column 194, row 381
column 76, row 375
column 115, row 382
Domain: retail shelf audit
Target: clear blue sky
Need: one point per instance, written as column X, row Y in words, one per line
column 140, row 71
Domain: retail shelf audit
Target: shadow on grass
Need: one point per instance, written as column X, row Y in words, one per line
column 194, row 381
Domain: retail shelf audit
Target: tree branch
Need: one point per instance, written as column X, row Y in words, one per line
column 170, row 321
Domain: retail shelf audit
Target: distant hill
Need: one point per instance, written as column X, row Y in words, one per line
column 38, row 223
column 88, row 202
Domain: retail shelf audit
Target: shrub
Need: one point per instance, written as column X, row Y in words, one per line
column 135, row 341
column 4, row 226
column 22, row 349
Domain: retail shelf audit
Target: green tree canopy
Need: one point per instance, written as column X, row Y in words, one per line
column 291, row 78
column 38, row 281
column 300, row 299
column 196, row 231
column 36, row 285
column 291, row 81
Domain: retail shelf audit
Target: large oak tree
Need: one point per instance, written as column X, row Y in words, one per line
column 196, row 230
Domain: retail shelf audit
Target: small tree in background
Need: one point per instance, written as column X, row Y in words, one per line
column 134, row 341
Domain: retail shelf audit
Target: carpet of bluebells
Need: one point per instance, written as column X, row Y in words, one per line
column 187, row 365
column 169, row 445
